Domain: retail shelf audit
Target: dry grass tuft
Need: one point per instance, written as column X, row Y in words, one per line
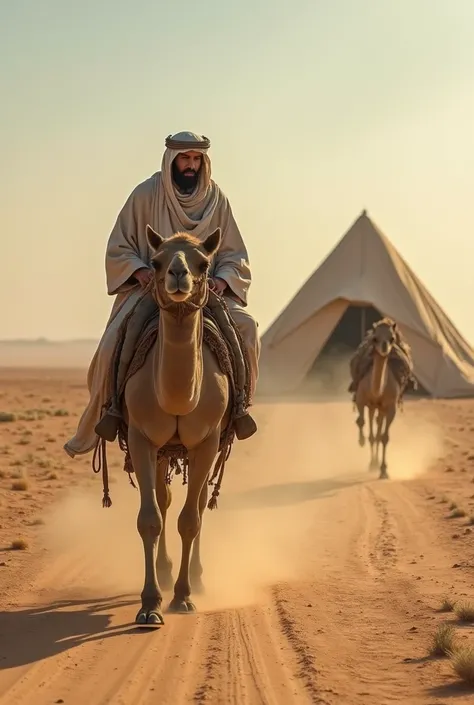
column 465, row 612
column 6, row 417
column 447, row 605
column 443, row 641
column 457, row 513
column 462, row 662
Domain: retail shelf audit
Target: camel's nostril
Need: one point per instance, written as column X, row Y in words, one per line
column 178, row 272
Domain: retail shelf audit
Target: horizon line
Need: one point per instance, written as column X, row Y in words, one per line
column 43, row 340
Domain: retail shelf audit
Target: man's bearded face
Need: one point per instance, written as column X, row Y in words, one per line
column 185, row 170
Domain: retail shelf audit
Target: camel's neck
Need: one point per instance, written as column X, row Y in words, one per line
column 378, row 378
column 178, row 362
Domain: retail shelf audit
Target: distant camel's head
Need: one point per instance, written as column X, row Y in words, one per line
column 384, row 335
column 181, row 265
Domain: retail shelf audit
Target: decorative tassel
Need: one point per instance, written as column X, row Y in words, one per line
column 106, row 501
column 212, row 504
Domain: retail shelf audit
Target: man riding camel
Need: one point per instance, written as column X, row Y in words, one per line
column 180, row 197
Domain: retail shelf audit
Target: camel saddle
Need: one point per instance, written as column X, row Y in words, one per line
column 137, row 335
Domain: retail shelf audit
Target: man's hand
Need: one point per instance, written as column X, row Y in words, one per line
column 143, row 275
column 218, row 286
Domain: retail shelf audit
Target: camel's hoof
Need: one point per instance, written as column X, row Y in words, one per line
column 150, row 618
column 383, row 476
column 181, row 606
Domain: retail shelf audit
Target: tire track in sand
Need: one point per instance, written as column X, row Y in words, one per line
column 306, row 670
column 247, row 664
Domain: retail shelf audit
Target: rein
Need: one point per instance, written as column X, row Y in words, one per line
column 181, row 309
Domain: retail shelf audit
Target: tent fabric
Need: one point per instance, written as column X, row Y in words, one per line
column 366, row 269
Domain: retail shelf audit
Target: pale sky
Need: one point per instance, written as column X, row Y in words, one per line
column 315, row 109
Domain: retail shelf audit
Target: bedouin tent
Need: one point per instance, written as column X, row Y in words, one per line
column 365, row 273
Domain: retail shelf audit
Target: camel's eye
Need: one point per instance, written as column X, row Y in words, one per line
column 203, row 267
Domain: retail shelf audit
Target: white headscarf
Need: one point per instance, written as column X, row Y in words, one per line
column 190, row 212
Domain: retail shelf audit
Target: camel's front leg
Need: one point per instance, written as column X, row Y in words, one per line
column 378, row 440
column 164, row 564
column 189, row 521
column 360, row 422
column 389, row 416
column 372, row 439
column 195, row 568
column 149, row 523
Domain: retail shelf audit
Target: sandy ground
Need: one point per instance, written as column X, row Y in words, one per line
column 323, row 583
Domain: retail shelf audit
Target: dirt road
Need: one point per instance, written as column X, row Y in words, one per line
column 323, row 584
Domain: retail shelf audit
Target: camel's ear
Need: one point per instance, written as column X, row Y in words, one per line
column 154, row 238
column 212, row 242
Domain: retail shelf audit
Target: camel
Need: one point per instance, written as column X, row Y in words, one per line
column 180, row 396
column 379, row 390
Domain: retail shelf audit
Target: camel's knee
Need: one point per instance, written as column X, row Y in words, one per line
column 385, row 438
column 189, row 523
column 149, row 522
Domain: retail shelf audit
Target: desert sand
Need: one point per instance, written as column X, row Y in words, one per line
column 323, row 583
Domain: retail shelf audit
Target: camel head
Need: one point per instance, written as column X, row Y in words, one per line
column 181, row 264
column 384, row 335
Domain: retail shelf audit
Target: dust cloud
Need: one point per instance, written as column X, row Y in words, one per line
column 416, row 442
column 304, row 452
